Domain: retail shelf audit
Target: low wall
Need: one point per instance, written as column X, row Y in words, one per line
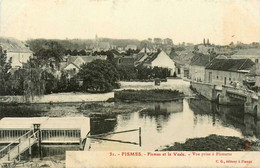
column 60, row 98
column 205, row 89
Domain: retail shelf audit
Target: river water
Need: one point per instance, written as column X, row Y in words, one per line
column 161, row 123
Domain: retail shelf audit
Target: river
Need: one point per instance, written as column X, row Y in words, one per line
column 161, row 123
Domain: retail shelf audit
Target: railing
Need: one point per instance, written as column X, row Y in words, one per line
column 100, row 137
column 8, row 150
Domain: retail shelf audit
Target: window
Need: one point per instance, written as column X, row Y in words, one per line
column 230, row 79
column 217, row 77
column 256, row 60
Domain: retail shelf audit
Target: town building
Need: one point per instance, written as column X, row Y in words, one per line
column 252, row 53
column 132, row 47
column 254, row 75
column 18, row 55
column 228, row 71
column 182, row 60
column 72, row 64
column 145, row 50
column 124, row 61
column 160, row 59
column 197, row 67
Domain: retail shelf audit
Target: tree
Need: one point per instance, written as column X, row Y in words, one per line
column 99, row 76
column 74, row 52
column 34, row 83
column 51, row 83
column 157, row 40
column 63, row 82
column 168, row 41
column 68, row 52
column 5, row 66
column 51, row 50
column 82, row 53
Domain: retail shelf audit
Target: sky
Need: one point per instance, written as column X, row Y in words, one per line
column 221, row 21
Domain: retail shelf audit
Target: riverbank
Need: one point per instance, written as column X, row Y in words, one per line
column 171, row 84
column 59, row 98
column 109, row 109
column 155, row 95
column 213, row 143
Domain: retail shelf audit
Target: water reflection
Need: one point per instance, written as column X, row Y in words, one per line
column 229, row 116
column 99, row 125
column 166, row 123
column 161, row 112
column 162, row 123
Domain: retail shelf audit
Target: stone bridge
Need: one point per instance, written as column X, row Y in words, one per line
column 228, row 95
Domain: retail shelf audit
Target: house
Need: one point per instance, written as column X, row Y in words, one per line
column 124, row 61
column 73, row 63
column 139, row 58
column 182, row 60
column 254, row 74
column 18, row 56
column 132, row 47
column 252, row 53
column 227, row 71
column 197, row 67
column 145, row 50
column 160, row 59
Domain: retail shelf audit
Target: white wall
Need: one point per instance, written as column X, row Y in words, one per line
column 72, row 67
column 197, row 73
column 164, row 61
column 18, row 58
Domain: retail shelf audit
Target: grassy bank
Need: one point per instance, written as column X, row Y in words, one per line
column 108, row 109
column 212, row 143
column 158, row 95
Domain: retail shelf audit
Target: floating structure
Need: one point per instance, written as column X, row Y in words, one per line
column 52, row 130
column 20, row 134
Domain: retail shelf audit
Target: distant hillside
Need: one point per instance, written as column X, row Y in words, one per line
column 80, row 44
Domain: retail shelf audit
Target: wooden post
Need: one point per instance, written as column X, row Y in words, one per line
column 80, row 143
column 140, row 138
column 9, row 156
column 30, row 149
column 19, row 156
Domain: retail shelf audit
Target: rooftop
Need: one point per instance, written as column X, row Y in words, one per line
column 234, row 65
column 247, row 52
column 26, row 123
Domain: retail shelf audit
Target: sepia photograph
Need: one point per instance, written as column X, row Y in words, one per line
column 129, row 83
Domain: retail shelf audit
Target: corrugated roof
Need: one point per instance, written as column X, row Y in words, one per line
column 233, row 65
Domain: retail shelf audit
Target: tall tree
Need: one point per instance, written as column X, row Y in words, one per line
column 5, row 66
column 34, row 83
column 75, row 52
column 51, row 50
column 82, row 53
column 99, row 76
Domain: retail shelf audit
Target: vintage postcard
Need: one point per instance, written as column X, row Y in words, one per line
column 129, row 83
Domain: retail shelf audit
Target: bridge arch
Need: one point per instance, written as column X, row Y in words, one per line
column 218, row 98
